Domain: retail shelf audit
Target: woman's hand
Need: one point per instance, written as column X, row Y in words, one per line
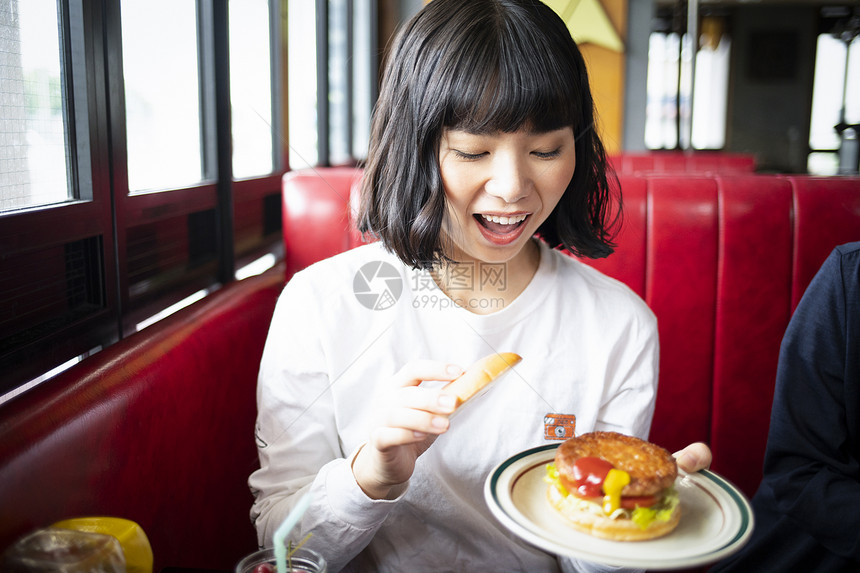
column 408, row 418
column 695, row 457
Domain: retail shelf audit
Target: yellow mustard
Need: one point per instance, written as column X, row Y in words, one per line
column 612, row 486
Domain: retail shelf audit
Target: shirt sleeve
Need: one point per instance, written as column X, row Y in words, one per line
column 632, row 374
column 299, row 450
column 811, row 464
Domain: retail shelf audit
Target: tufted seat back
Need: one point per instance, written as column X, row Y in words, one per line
column 722, row 260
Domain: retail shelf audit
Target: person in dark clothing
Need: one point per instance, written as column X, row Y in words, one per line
column 807, row 508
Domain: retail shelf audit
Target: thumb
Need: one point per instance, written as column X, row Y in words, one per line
column 694, row 457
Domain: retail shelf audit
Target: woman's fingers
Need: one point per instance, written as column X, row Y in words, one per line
column 406, row 411
column 405, row 392
column 695, row 457
column 417, row 371
column 408, row 418
column 416, row 420
column 410, row 415
column 384, row 438
column 421, row 398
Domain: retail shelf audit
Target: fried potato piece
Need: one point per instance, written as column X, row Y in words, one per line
column 651, row 468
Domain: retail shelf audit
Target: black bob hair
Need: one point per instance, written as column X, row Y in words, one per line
column 485, row 66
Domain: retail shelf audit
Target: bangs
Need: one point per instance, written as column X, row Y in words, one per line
column 485, row 67
column 514, row 86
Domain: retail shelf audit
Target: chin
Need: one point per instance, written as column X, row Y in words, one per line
column 486, row 252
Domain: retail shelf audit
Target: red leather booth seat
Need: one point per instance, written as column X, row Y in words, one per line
column 316, row 214
column 629, row 163
column 721, row 259
column 158, row 428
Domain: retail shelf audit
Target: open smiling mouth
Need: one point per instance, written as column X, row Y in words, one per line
column 501, row 230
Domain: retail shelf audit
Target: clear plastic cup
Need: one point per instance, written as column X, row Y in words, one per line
column 64, row 551
column 302, row 560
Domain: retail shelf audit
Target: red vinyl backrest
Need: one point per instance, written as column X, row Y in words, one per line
column 722, row 260
column 681, row 265
column 719, row 162
column 752, row 310
column 627, row 263
column 678, row 162
column 826, row 214
column 316, row 217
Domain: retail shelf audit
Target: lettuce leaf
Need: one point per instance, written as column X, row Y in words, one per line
column 662, row 511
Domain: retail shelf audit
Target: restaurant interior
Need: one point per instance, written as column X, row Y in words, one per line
column 135, row 300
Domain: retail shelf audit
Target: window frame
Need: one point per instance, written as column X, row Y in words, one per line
column 107, row 211
column 28, row 231
column 831, row 20
column 356, row 149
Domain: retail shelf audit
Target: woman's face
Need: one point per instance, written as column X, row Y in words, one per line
column 500, row 188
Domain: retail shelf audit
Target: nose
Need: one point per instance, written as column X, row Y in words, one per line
column 509, row 180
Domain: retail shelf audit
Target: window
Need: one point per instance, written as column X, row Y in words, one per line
column 251, row 88
column 54, row 256
column 661, row 121
column 836, row 91
column 162, row 96
column 364, row 67
column 711, row 88
column 669, row 121
column 332, row 78
column 134, row 186
column 34, row 155
column 302, row 66
column 339, row 82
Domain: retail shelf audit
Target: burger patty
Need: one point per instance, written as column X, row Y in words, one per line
column 651, row 468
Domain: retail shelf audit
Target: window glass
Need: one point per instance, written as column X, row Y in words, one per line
column 852, row 91
column 251, row 88
column 661, row 116
column 710, row 94
column 338, row 83
column 34, row 155
column 162, row 96
column 828, row 90
column 670, row 66
column 302, row 70
column 363, row 75
column 823, row 163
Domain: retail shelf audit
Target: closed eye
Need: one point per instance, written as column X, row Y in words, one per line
column 468, row 156
column 548, row 154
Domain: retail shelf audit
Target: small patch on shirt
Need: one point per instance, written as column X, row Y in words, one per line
column 559, row 426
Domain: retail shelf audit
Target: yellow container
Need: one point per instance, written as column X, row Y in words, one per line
column 135, row 544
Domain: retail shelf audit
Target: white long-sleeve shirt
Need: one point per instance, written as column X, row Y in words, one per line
column 589, row 348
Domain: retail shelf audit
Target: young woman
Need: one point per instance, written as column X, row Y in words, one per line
column 484, row 164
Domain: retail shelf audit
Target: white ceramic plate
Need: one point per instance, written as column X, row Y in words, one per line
column 716, row 518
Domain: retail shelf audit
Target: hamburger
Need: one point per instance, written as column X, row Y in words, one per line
column 615, row 486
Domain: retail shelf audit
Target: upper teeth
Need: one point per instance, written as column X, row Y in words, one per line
column 505, row 220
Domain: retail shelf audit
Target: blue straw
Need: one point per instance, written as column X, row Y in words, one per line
column 284, row 530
